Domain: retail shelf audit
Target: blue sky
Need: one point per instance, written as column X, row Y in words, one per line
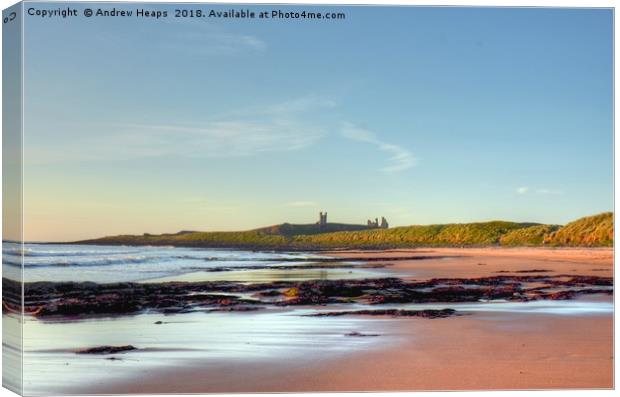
column 422, row 115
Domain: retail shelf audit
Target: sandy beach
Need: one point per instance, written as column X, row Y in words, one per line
column 479, row 350
column 481, row 262
column 467, row 353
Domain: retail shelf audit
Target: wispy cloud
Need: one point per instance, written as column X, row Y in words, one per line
column 215, row 139
column 228, row 138
column 399, row 159
column 272, row 128
column 302, row 204
column 523, row 190
column 187, row 37
column 212, row 41
column 542, row 191
column 285, row 109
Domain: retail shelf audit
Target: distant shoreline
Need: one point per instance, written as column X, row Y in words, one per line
column 591, row 231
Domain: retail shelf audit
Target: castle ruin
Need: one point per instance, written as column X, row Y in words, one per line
column 322, row 219
column 371, row 224
column 375, row 224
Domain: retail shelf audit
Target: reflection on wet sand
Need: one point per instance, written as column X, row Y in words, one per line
column 271, row 275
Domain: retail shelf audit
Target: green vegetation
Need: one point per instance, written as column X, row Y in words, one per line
column 467, row 234
column 528, row 236
column 289, row 229
column 591, row 231
column 247, row 239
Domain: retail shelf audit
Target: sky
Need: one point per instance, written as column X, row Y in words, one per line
column 421, row 115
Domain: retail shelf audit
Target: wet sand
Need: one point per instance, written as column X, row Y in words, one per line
column 482, row 262
column 485, row 352
column 466, row 353
column 482, row 350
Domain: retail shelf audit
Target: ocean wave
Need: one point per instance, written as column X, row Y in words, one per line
column 41, row 253
column 11, row 262
column 63, row 262
column 95, row 262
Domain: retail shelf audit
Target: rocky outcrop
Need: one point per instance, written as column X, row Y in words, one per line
column 69, row 299
column 106, row 349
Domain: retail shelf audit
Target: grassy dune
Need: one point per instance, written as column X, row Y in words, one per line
column 289, row 229
column 593, row 231
column 528, row 236
column 467, row 234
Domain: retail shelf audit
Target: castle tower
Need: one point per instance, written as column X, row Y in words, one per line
column 384, row 223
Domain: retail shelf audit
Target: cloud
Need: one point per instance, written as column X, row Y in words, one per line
column 302, row 204
column 214, row 139
column 523, row 190
column 211, row 41
column 286, row 109
column 399, row 159
column 272, row 128
column 228, row 138
column 185, row 37
column 548, row 191
column 541, row 191
column 251, row 42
